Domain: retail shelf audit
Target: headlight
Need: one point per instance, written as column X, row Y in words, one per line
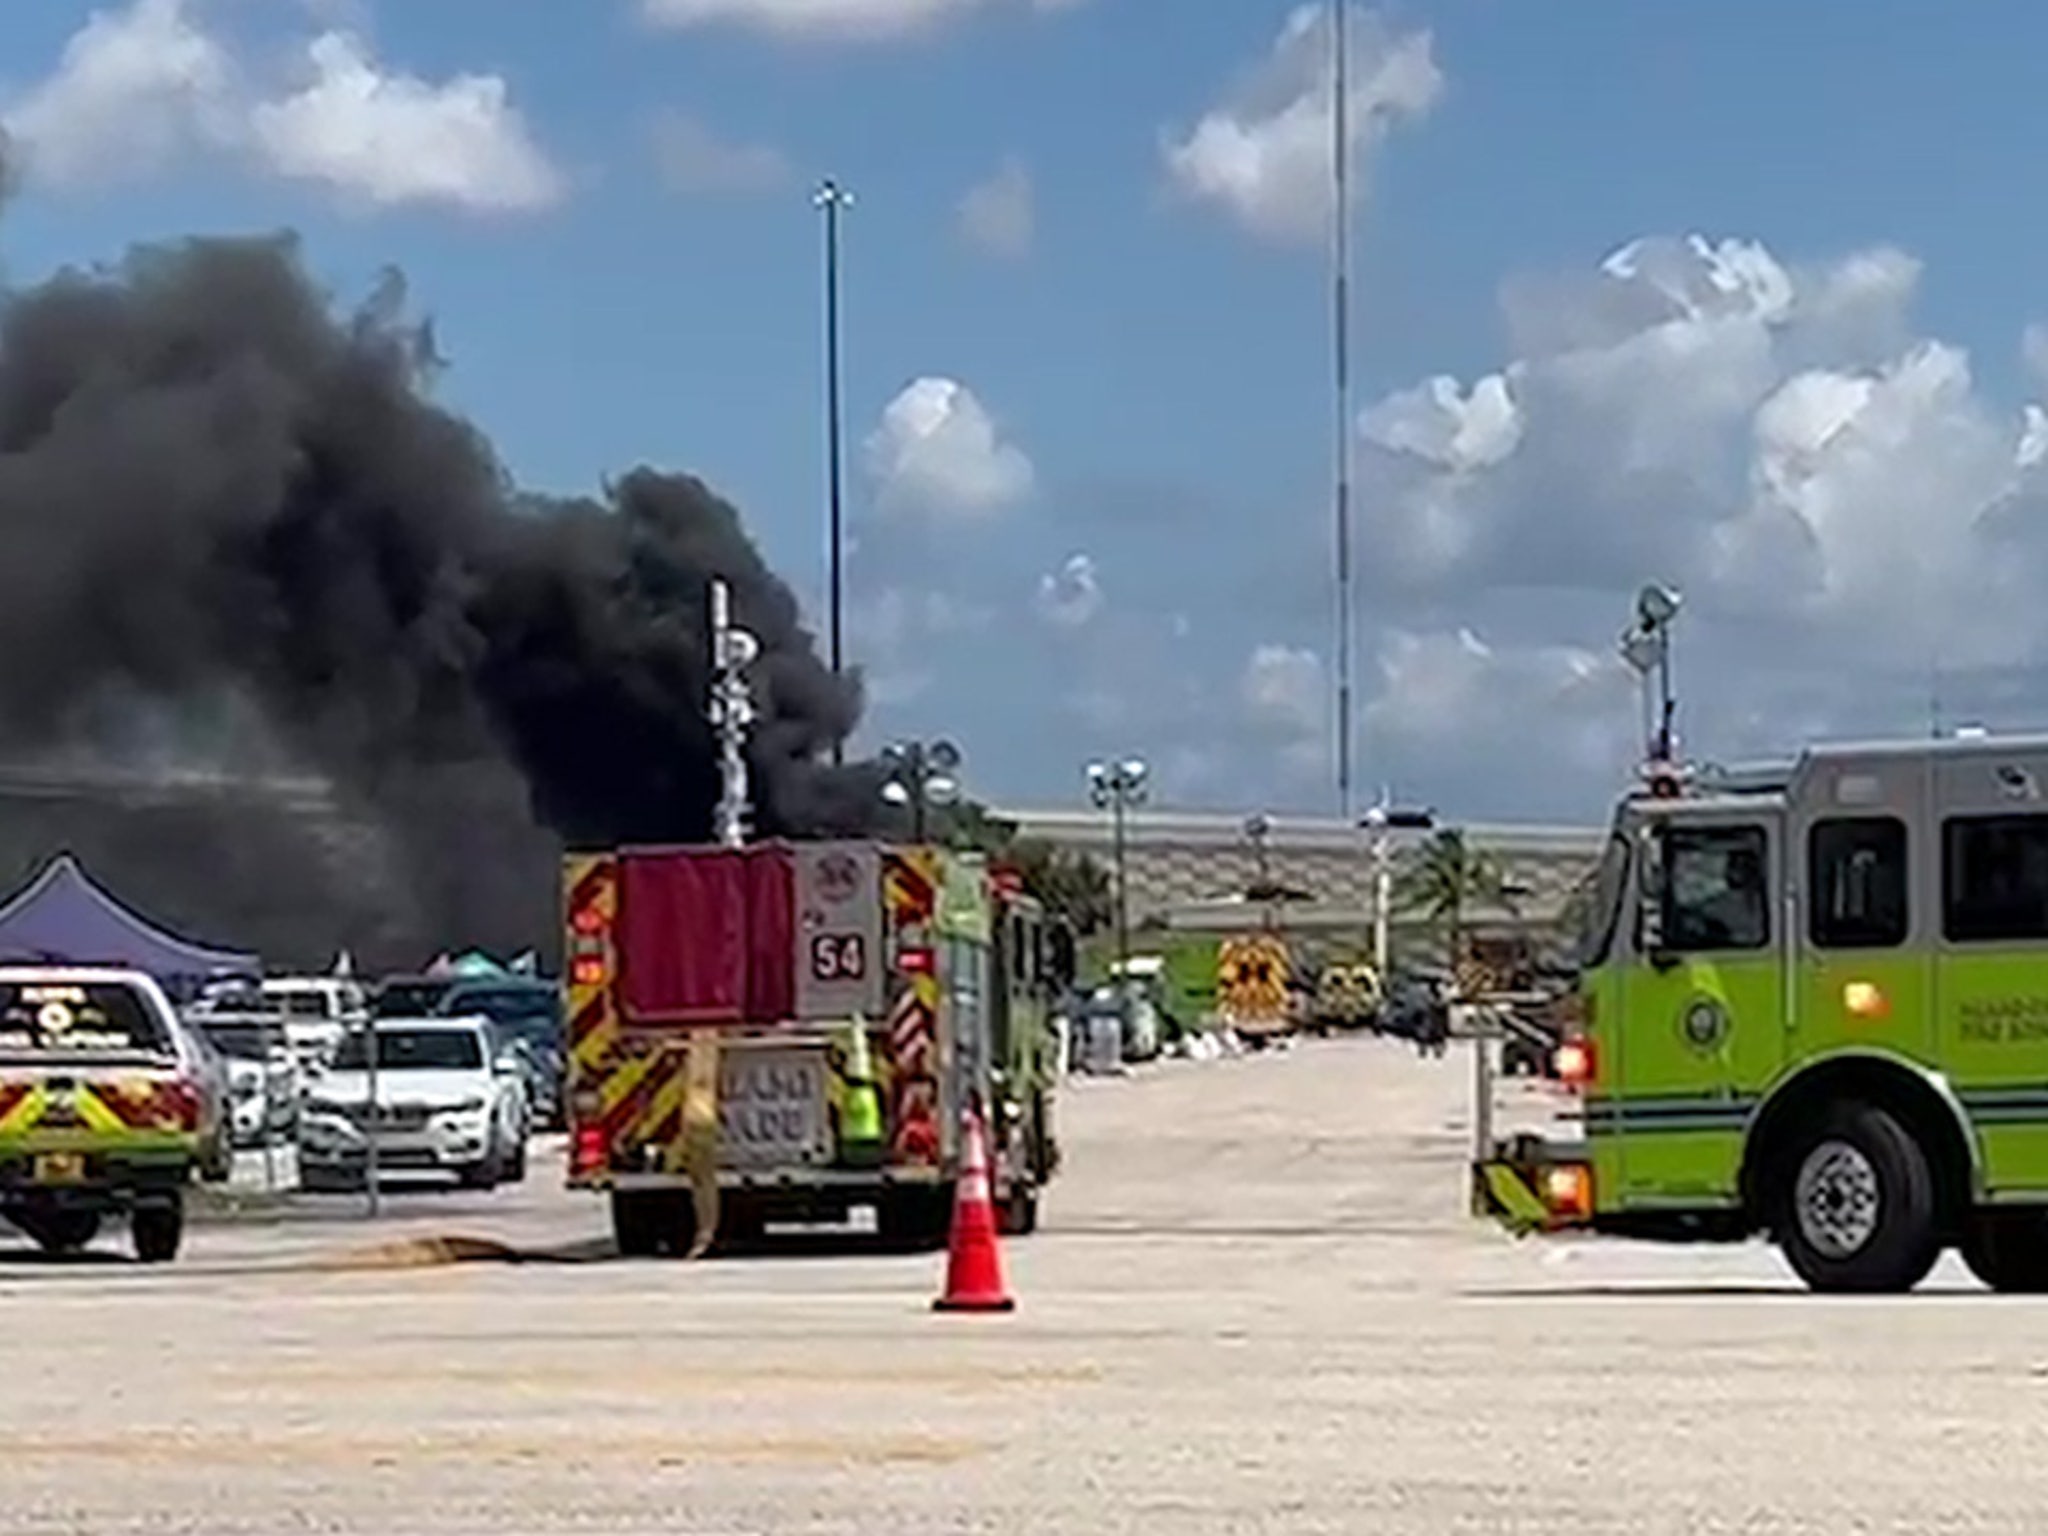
column 469, row 1106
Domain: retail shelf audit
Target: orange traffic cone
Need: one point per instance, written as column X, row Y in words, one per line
column 974, row 1260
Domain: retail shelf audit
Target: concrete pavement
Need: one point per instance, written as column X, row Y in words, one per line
column 1257, row 1307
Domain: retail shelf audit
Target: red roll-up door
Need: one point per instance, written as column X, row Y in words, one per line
column 683, row 937
column 707, row 935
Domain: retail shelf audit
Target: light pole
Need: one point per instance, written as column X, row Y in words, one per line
column 921, row 774
column 1118, row 788
column 1646, row 647
column 1380, row 823
column 831, row 199
column 1257, row 828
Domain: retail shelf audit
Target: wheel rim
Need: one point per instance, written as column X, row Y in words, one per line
column 1837, row 1199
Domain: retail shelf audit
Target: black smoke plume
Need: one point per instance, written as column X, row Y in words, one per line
column 236, row 530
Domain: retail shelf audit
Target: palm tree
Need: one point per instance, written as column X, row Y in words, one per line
column 1444, row 878
column 1071, row 886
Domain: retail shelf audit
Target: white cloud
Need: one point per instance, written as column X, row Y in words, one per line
column 393, row 139
column 1263, row 155
column 999, row 215
column 131, row 90
column 824, row 20
column 1071, row 596
column 1845, row 509
column 135, row 88
column 938, row 452
column 693, row 159
column 1286, row 700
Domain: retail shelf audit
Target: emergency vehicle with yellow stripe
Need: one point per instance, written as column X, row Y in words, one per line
column 1253, row 973
column 101, row 1110
column 1813, row 1004
column 789, row 1031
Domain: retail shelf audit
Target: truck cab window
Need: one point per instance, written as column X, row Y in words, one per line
column 1856, row 882
column 1994, row 878
column 1716, row 892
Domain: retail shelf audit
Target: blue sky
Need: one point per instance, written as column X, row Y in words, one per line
column 613, row 233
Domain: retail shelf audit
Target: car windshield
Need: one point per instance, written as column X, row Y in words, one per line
column 80, row 1017
column 414, row 1050
column 243, row 1042
column 410, row 999
column 1602, row 912
column 302, row 1005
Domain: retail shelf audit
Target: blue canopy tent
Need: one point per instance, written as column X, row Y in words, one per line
column 64, row 917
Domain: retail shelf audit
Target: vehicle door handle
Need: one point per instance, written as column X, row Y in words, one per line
column 1662, row 960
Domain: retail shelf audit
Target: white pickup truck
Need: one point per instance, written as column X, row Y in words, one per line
column 445, row 1103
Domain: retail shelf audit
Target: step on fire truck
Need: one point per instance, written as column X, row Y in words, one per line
column 833, row 1007
column 1813, row 1004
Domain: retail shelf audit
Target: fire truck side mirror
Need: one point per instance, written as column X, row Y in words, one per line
column 1650, row 888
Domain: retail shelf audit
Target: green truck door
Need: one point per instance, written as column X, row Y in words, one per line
column 1704, row 1013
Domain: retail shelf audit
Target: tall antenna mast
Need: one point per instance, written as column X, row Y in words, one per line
column 731, row 708
column 1340, row 324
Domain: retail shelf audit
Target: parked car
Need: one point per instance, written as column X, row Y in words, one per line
column 318, row 1011
column 527, row 1014
column 263, row 1074
column 446, row 1102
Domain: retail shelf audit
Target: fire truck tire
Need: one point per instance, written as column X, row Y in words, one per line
column 1856, row 1205
column 60, row 1231
column 2008, row 1250
column 1018, row 1214
column 158, row 1231
column 915, row 1217
column 648, row 1223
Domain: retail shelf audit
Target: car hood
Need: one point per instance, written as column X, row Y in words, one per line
column 410, row 1087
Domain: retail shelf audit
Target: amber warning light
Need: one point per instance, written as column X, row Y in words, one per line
column 1865, row 1000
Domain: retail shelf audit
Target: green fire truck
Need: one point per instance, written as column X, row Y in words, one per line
column 1813, row 1005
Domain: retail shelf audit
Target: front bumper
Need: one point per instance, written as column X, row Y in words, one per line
column 1531, row 1185
column 446, row 1144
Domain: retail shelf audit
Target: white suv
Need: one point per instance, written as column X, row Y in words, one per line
column 444, row 1104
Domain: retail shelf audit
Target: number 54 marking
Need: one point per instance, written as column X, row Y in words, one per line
column 838, row 957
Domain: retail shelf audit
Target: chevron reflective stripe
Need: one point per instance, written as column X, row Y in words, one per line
column 25, row 1109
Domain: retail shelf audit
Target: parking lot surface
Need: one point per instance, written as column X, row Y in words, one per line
column 1257, row 1306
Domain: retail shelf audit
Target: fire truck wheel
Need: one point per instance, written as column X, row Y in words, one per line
column 60, row 1231
column 915, row 1217
column 2008, row 1250
column 646, row 1223
column 158, row 1231
column 1018, row 1213
column 1856, row 1204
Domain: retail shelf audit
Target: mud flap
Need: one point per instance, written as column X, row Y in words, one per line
column 1500, row 1191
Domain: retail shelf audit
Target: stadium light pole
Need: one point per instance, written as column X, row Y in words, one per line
column 1118, row 788
column 1340, row 351
column 921, row 774
column 1380, row 823
column 831, row 199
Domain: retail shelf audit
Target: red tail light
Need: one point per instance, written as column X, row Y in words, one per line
column 587, row 970
column 590, row 1152
column 182, row 1100
column 916, row 962
column 1574, row 1063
